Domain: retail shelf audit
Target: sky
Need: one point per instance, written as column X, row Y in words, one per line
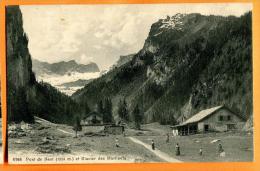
column 102, row 33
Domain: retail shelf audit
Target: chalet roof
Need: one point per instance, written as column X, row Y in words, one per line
column 201, row 115
column 92, row 115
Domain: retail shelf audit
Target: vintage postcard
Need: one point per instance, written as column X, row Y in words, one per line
column 132, row 83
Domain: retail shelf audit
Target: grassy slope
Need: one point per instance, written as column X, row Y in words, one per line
column 238, row 146
column 35, row 140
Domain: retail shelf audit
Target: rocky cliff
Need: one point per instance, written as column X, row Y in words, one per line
column 19, row 74
column 26, row 97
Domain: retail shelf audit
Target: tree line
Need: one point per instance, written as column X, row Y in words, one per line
column 105, row 109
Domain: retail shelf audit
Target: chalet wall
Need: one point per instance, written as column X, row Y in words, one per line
column 215, row 123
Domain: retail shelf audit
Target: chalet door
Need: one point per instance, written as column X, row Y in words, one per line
column 206, row 128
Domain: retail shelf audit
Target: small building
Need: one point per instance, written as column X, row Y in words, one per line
column 216, row 119
column 94, row 118
column 114, row 129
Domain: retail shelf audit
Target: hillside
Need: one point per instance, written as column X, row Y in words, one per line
column 188, row 63
column 27, row 97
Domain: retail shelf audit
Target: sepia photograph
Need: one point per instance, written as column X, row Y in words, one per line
column 129, row 83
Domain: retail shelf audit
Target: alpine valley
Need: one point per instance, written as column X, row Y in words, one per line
column 188, row 62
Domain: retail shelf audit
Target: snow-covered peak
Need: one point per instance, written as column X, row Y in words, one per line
column 173, row 22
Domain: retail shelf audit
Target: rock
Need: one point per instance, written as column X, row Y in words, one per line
column 21, row 134
column 196, row 141
column 41, row 128
column 139, row 134
column 15, row 134
column 20, row 142
column 25, row 126
column 214, row 141
column 44, row 143
column 50, row 137
column 62, row 136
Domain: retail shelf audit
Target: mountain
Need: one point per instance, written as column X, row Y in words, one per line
column 25, row 96
column 65, row 73
column 189, row 62
column 61, row 68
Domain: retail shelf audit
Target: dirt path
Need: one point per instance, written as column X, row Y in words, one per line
column 157, row 152
column 40, row 120
column 63, row 131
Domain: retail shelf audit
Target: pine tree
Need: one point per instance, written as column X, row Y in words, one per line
column 122, row 110
column 107, row 115
column 87, row 109
column 100, row 108
column 22, row 111
column 138, row 117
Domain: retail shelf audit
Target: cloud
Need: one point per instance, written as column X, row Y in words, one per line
column 84, row 59
column 101, row 33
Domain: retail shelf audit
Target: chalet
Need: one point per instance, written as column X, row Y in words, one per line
column 216, row 119
column 93, row 118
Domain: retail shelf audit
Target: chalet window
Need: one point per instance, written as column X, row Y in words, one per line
column 221, row 118
column 229, row 118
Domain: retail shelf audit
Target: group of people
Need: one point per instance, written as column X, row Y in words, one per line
column 177, row 147
column 221, row 151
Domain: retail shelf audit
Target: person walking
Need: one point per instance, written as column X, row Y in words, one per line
column 177, row 150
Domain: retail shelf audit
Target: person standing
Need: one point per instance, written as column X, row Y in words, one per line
column 153, row 145
column 117, row 142
column 167, row 138
column 200, row 152
column 177, row 150
column 221, row 150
